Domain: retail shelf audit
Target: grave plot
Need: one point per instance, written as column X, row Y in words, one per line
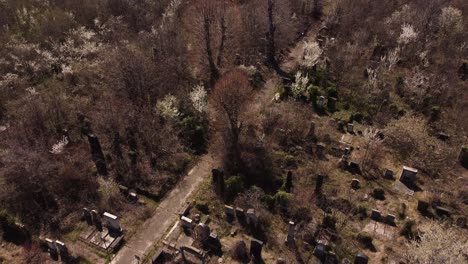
column 103, row 232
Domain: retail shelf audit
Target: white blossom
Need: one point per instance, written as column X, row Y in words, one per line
column 199, row 98
column 250, row 70
column 451, row 20
column 58, row 147
column 168, row 107
column 299, row 86
column 408, row 34
column 312, row 53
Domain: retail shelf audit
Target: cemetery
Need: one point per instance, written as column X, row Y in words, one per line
column 223, row 132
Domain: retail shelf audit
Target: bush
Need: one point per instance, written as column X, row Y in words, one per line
column 202, row 206
column 234, row 185
column 281, row 200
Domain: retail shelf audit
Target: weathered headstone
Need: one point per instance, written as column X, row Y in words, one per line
column 423, row 206
column 408, row 174
column 256, row 248
column 133, row 197
column 354, row 167
column 87, row 216
column 251, row 218
column 186, row 222
column 280, row 261
column 51, row 246
column 97, row 155
column 230, row 212
column 341, row 126
column 123, row 190
column 321, row 102
column 376, row 215
column 355, row 184
column 350, row 128
column 331, row 258
column 361, row 259
column 311, row 132
column 112, row 222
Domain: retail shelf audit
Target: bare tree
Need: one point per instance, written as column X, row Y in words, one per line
column 229, row 98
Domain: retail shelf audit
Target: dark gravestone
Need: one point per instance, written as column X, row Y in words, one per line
column 463, row 157
column 97, row 155
column 361, row 259
column 311, row 132
column 388, row 175
column 442, row 136
column 318, row 184
column 256, row 248
column 331, row 258
column 320, row 149
column 442, row 211
column 376, row 215
column 240, row 214
column 87, row 216
column 463, row 71
column 331, row 104
column 355, row 184
column 288, row 183
column 423, row 206
column 320, row 251
column 96, row 220
column 354, row 167
column 341, row 126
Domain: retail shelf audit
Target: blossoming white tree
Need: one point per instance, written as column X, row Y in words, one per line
column 408, row 34
column 199, row 98
column 168, row 107
column 299, row 87
column 312, row 53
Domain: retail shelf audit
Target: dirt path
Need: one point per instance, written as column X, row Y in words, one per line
column 154, row 228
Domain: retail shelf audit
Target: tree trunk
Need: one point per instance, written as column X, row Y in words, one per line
column 214, row 73
column 271, row 46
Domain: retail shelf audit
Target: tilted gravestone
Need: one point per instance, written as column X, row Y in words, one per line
column 97, row 155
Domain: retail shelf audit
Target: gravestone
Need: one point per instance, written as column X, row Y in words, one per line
column 240, row 214
column 321, row 102
column 112, row 222
column 288, row 184
column 290, row 239
column 123, row 190
column 97, row 155
column 331, row 258
column 350, row 128
column 186, row 222
column 442, row 136
column 96, row 220
column 256, row 248
column 331, row 104
column 87, row 216
column 388, row 174
column 280, row 261
column 361, row 259
column 355, row 184
column 133, row 197
column 408, row 174
column 62, row 249
column 341, row 126
column 442, row 211
column 230, row 212
column 51, row 246
column 376, row 215
column 463, row 157
column 423, row 206
column 213, row 241
column 390, row 219
column 318, row 184
column 311, row 132
column 251, row 218
column 354, row 167
column 320, row 250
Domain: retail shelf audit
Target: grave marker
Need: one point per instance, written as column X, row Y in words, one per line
column 256, row 248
